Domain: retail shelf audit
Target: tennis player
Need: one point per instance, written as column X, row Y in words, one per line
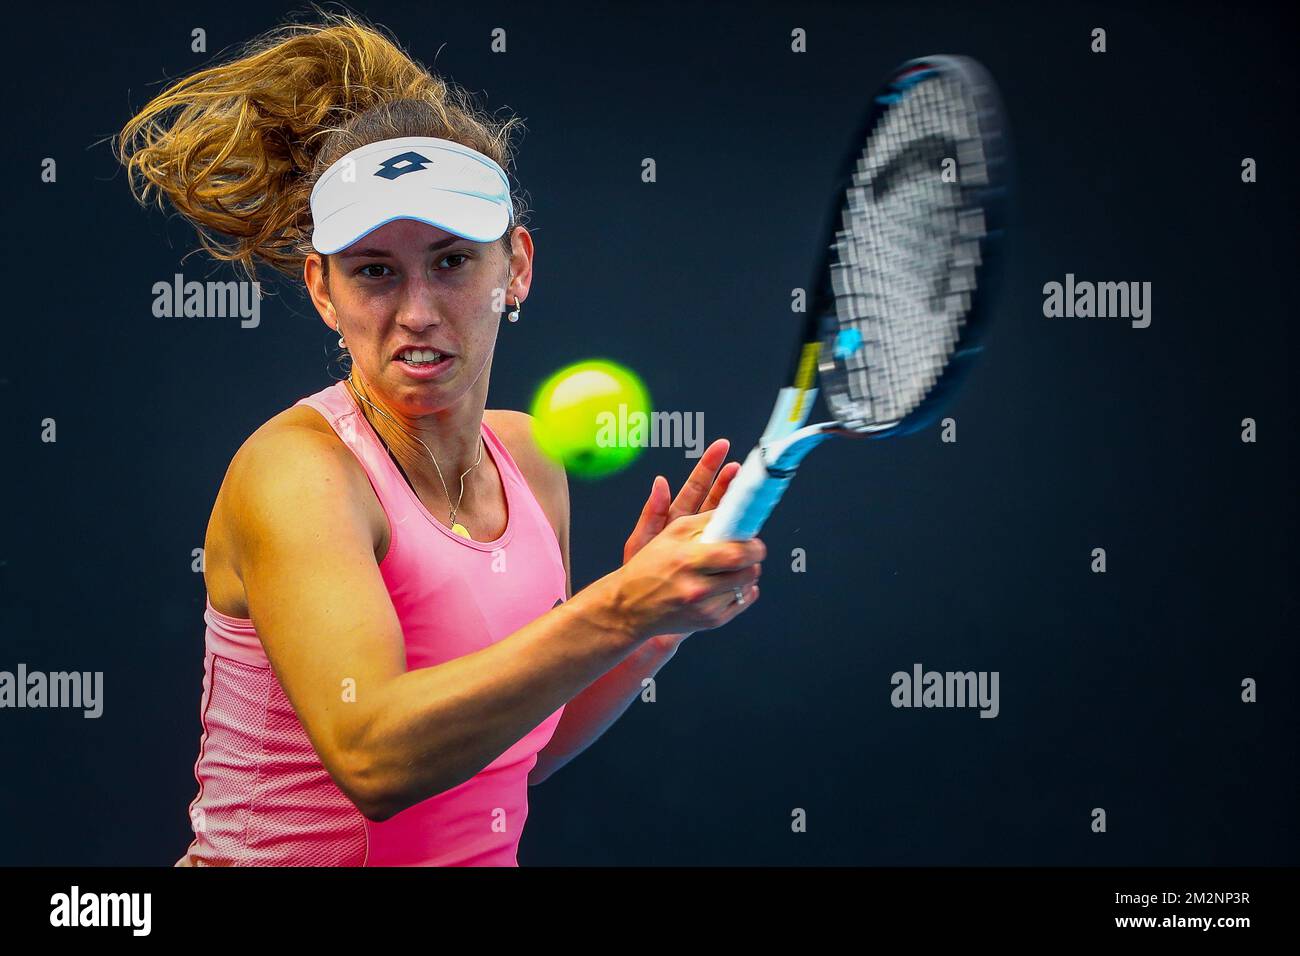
column 393, row 650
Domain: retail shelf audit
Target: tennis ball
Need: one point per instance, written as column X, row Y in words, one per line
column 585, row 416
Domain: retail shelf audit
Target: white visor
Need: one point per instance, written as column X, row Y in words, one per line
column 445, row 184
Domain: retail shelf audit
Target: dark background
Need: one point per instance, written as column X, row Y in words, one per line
column 1119, row 690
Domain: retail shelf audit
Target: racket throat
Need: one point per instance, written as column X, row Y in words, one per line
column 783, row 456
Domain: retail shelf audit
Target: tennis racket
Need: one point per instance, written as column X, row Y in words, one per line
column 903, row 291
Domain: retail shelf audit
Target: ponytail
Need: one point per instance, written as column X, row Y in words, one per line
column 237, row 147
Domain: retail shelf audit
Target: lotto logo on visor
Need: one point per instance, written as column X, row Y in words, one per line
column 432, row 180
column 397, row 165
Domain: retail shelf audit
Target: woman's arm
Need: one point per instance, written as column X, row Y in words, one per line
column 588, row 715
column 593, row 711
column 388, row 736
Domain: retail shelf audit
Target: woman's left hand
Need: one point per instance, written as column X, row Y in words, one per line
column 701, row 492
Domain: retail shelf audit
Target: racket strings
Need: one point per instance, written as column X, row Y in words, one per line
column 905, row 257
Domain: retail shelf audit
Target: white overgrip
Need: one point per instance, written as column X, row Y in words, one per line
column 750, row 498
column 755, row 491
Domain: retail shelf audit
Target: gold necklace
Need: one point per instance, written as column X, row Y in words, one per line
column 460, row 529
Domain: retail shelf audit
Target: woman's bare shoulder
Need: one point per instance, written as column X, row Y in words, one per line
column 515, row 429
column 277, row 472
column 298, row 416
column 545, row 476
column 296, row 446
column 292, row 429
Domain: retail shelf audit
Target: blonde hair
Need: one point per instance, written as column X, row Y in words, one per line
column 236, row 148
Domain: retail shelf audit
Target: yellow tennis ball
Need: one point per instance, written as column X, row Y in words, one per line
column 585, row 416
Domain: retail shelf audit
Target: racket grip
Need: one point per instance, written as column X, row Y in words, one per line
column 750, row 498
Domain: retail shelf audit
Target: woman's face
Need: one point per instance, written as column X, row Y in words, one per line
column 411, row 284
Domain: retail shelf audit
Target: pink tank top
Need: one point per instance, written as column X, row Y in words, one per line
column 264, row 797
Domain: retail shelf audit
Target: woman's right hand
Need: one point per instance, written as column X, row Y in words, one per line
column 679, row 584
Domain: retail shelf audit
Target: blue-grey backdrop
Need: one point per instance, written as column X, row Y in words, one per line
column 1118, row 690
